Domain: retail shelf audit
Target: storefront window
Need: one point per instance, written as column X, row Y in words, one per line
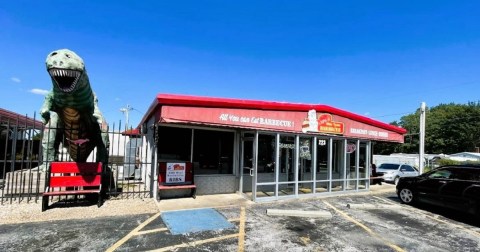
column 338, row 165
column 352, row 165
column 174, row 144
column 287, row 158
column 322, row 159
column 351, row 159
column 363, row 169
column 213, row 152
column 305, row 169
column 266, row 158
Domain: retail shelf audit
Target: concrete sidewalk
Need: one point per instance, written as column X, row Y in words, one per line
column 234, row 199
column 31, row 212
column 203, row 201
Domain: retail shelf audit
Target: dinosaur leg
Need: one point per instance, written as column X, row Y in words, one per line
column 50, row 141
column 108, row 181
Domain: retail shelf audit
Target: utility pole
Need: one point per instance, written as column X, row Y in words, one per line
column 126, row 111
column 422, row 137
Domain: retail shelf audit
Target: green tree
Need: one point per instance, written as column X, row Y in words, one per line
column 449, row 128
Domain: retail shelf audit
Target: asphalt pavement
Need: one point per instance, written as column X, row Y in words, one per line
column 369, row 221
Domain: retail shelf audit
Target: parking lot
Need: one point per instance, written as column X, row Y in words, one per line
column 357, row 222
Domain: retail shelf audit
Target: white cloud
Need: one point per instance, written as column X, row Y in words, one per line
column 38, row 91
column 15, row 79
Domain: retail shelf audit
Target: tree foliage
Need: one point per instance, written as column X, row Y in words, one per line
column 449, row 128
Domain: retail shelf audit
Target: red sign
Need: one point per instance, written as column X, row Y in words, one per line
column 322, row 123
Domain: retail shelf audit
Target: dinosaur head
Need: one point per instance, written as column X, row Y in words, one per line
column 66, row 69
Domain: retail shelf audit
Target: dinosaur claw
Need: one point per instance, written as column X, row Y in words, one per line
column 78, row 141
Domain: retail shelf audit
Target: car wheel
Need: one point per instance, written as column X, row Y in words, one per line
column 406, row 196
column 396, row 180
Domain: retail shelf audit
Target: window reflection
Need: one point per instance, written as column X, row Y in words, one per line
column 287, row 158
column 213, row 152
column 322, row 159
column 266, row 158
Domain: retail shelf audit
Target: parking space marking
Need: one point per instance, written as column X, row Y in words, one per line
column 136, row 232
column 473, row 232
column 151, row 231
column 195, row 243
column 367, row 229
column 241, row 231
column 384, row 200
column 132, row 233
column 435, row 217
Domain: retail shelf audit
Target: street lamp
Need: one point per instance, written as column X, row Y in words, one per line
column 126, row 111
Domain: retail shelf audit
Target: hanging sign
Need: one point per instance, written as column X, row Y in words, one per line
column 351, row 147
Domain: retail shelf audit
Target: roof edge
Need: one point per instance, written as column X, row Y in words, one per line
column 204, row 101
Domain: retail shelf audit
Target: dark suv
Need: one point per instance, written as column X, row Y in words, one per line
column 452, row 186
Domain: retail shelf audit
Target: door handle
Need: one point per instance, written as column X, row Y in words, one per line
column 251, row 172
column 442, row 182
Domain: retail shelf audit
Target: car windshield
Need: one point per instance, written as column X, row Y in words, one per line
column 389, row 166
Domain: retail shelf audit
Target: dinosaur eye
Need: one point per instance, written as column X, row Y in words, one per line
column 53, row 54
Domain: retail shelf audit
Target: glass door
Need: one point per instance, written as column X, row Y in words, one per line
column 247, row 164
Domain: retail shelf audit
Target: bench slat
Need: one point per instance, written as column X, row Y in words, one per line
column 162, row 187
column 68, row 181
column 74, row 167
column 75, row 192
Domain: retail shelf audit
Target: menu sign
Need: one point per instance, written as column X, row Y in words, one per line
column 175, row 173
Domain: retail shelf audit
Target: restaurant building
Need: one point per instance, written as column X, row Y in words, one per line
column 264, row 150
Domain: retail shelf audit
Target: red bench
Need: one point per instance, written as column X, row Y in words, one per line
column 187, row 183
column 72, row 178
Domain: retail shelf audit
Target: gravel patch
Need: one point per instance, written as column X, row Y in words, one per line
column 32, row 212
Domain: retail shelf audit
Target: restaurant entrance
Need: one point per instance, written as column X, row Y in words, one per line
column 247, row 163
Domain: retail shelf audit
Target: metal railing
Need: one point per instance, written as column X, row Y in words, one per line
column 22, row 175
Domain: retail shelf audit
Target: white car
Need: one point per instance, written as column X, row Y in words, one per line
column 393, row 172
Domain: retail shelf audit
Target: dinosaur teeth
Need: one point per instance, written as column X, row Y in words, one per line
column 64, row 73
column 65, row 79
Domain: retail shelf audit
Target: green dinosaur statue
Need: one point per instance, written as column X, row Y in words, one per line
column 70, row 111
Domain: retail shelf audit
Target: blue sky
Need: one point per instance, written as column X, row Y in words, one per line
column 379, row 59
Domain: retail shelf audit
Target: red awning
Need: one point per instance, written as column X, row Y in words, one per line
column 283, row 121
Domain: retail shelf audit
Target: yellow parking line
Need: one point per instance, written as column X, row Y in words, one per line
column 151, row 231
column 137, row 231
column 166, row 229
column 241, row 231
column 346, row 216
column 195, row 243
column 132, row 233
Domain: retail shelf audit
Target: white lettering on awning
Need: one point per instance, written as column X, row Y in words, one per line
column 256, row 120
column 365, row 132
